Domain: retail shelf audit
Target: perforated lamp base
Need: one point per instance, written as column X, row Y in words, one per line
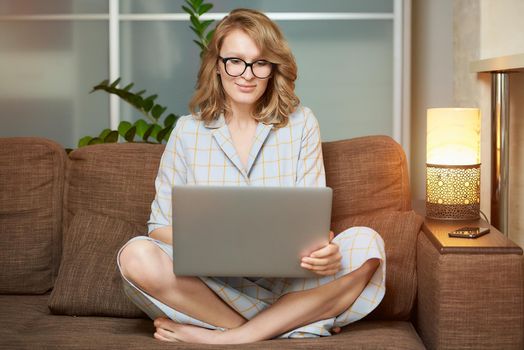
column 453, row 192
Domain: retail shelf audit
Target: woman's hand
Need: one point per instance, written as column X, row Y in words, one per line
column 325, row 261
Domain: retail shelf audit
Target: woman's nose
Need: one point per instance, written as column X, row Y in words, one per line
column 248, row 73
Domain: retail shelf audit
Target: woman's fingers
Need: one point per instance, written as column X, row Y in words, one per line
column 332, row 267
column 329, row 249
column 332, row 259
column 324, row 261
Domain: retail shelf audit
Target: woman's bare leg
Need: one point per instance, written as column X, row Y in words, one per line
column 290, row 311
column 150, row 268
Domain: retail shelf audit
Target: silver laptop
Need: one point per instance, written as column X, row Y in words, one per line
column 248, row 231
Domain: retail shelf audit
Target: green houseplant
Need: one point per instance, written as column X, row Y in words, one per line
column 155, row 128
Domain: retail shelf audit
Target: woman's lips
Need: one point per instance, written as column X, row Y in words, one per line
column 246, row 88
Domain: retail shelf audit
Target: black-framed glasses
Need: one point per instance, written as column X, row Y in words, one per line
column 235, row 67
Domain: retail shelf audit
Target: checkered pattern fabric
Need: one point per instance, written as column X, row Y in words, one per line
column 202, row 154
column 199, row 153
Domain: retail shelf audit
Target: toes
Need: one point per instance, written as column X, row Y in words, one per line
column 158, row 321
column 166, row 335
column 158, row 336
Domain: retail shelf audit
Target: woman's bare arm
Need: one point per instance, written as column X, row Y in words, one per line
column 164, row 234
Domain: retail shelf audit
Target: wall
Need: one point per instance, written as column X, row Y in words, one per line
column 447, row 36
column 501, row 32
column 431, row 76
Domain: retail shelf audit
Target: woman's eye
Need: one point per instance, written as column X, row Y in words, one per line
column 235, row 61
column 262, row 63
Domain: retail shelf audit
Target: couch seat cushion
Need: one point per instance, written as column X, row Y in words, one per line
column 89, row 282
column 27, row 324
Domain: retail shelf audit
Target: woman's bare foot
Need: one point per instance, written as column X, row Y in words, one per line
column 168, row 330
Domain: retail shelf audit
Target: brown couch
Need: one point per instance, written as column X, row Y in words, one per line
column 62, row 218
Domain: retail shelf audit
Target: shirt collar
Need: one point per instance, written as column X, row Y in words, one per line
column 221, row 121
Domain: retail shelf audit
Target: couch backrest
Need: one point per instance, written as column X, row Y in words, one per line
column 368, row 175
column 31, row 186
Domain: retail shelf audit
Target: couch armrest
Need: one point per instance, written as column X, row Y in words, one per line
column 469, row 297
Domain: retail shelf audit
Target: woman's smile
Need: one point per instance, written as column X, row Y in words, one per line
column 246, row 87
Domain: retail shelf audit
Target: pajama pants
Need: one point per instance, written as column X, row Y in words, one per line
column 249, row 296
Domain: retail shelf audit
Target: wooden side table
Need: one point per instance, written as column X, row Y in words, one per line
column 437, row 231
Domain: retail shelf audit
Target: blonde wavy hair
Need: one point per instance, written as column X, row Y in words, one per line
column 279, row 99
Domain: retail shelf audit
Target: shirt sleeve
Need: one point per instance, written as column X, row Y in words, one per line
column 172, row 171
column 310, row 166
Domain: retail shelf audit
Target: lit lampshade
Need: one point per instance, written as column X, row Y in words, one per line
column 453, row 163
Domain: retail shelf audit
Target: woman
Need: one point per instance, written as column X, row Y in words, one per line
column 250, row 130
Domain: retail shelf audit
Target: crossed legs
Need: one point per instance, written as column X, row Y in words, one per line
column 150, row 268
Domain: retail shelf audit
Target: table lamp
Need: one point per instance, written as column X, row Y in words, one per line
column 453, row 163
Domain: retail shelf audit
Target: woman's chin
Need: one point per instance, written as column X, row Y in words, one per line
column 244, row 99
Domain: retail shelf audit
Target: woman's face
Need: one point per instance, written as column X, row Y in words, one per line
column 245, row 89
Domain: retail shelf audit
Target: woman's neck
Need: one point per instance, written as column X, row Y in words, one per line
column 241, row 116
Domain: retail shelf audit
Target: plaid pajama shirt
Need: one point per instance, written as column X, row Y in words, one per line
column 204, row 154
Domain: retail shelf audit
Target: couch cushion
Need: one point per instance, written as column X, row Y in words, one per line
column 88, row 281
column 31, row 186
column 399, row 231
column 28, row 325
column 367, row 174
column 113, row 179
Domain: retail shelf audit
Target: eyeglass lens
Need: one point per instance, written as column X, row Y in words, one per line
column 236, row 67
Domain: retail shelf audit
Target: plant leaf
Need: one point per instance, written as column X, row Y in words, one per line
column 136, row 101
column 206, row 24
column 202, row 46
column 185, row 8
column 115, row 83
column 204, row 8
column 198, row 3
column 130, row 134
column 191, row 3
column 162, row 134
column 147, row 105
column 141, row 127
column 123, row 127
column 112, row 137
column 140, row 92
column 84, row 141
column 152, row 97
column 195, row 31
column 170, row 120
column 209, row 35
column 196, row 23
column 128, row 87
column 157, row 111
column 156, row 129
column 148, row 132
column 95, row 141
column 104, row 133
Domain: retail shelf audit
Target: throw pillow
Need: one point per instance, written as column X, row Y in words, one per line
column 399, row 230
column 89, row 282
